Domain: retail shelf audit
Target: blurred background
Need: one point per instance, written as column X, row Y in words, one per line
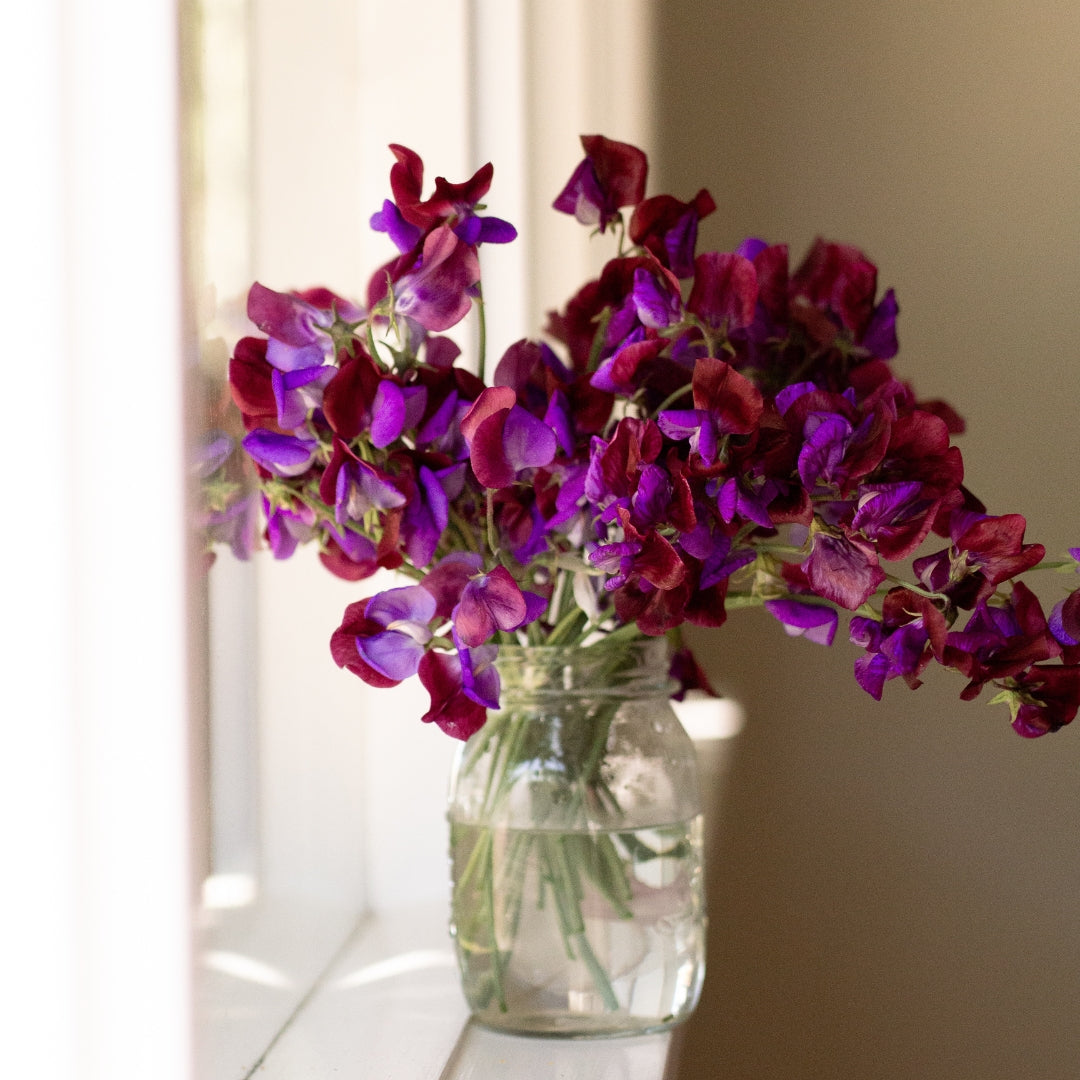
column 893, row 885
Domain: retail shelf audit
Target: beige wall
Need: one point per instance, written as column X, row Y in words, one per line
column 895, row 888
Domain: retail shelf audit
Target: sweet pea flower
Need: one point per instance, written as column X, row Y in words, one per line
column 901, row 644
column 382, row 639
column 447, row 579
column 985, row 551
column 1044, row 699
column 815, row 622
column 453, row 204
column 668, row 228
column 612, row 175
column 280, row 454
column 427, row 513
column 299, row 392
column 504, row 438
column 1000, row 642
column 436, row 293
column 479, row 677
column 287, row 527
column 348, row 554
column 452, row 709
column 843, row 569
column 725, row 403
column 235, row 524
column 494, row 601
column 354, row 488
column 725, row 290
column 298, row 324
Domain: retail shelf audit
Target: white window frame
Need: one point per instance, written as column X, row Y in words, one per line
column 94, row 795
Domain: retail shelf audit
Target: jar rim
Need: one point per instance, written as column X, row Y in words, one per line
column 637, row 666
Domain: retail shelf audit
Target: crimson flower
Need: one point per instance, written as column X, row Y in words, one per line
column 382, row 639
column 504, row 438
column 612, row 175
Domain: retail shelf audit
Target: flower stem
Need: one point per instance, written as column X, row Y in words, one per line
column 481, row 345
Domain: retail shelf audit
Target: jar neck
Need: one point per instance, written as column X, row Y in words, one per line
column 622, row 669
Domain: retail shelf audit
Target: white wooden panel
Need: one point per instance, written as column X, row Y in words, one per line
column 93, row 797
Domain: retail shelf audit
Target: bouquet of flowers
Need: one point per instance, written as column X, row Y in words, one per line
column 699, row 432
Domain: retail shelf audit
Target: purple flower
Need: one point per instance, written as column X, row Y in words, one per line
column 395, row 409
column 897, row 517
column 725, row 403
column 504, row 438
column 354, row 488
column 612, row 175
column 451, row 204
column 985, row 551
column 298, row 324
column 437, row 293
column 404, row 234
column 235, row 525
column 347, row 553
column 286, row 527
column 382, row 639
column 814, row 621
column 668, row 228
column 657, row 303
column 725, row 290
column 298, row 392
column 843, row 570
column 452, row 710
column 447, row 579
column 427, row 513
column 491, row 602
column 214, row 450
column 282, row 455
column 910, row 633
column 479, row 676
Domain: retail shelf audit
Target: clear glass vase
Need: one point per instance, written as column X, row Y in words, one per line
column 576, row 847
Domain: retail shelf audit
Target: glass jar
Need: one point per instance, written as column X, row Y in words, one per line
column 576, row 847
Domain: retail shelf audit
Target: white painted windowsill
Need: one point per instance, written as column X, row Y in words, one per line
column 388, row 1005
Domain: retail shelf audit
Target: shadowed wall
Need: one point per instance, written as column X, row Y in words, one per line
column 894, row 885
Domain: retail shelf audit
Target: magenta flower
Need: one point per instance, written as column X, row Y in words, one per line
column 235, row 525
column 452, row 709
column 382, row 639
column 427, row 513
column 843, row 569
column 437, row 291
column 282, row 455
column 611, row 176
column 287, row 527
column 901, row 644
column 1000, row 642
column 298, row 324
column 1045, row 699
column 815, row 622
column 354, row 488
column 453, row 204
column 491, row 602
column 299, row 392
column 725, row 403
column 504, row 438
column 668, row 228
column 725, row 290
column 447, row 579
column 348, row 554
column 479, row 677
column 985, row 551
